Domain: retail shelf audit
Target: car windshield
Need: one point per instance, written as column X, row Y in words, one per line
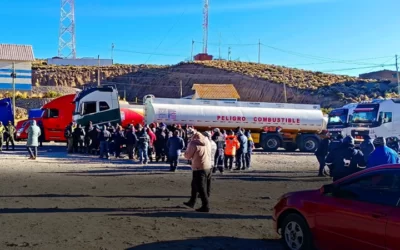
column 365, row 116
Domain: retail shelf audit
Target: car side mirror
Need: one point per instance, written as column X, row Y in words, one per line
column 327, row 189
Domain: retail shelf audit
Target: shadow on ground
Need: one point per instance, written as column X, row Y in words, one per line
column 213, row 243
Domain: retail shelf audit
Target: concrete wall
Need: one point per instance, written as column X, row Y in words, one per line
column 23, row 70
column 80, row 62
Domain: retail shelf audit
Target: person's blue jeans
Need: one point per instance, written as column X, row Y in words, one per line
column 143, row 154
column 104, row 149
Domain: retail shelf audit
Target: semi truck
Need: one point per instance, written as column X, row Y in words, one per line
column 378, row 118
column 339, row 120
column 101, row 105
column 273, row 125
column 54, row 116
column 6, row 111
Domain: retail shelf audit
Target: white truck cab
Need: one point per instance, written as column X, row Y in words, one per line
column 339, row 120
column 378, row 118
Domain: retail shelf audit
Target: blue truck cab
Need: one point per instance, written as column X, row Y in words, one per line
column 6, row 111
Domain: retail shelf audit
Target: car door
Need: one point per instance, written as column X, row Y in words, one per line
column 355, row 214
column 393, row 226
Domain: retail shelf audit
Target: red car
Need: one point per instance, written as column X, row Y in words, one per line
column 360, row 212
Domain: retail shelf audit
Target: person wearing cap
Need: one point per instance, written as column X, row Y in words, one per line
column 199, row 152
column 143, row 144
column 68, row 134
column 345, row 160
column 336, row 142
column 382, row 154
column 367, row 147
column 175, row 145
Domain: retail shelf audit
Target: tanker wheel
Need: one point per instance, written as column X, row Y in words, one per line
column 291, row 147
column 271, row 144
column 309, row 144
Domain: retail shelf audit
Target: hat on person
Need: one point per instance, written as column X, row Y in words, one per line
column 207, row 134
column 379, row 141
column 348, row 140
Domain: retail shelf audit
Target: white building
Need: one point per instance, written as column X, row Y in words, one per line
column 22, row 57
column 79, row 61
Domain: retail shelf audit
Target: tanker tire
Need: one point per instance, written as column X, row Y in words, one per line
column 309, row 144
column 271, row 143
column 290, row 147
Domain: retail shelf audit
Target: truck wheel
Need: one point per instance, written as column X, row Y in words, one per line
column 271, row 143
column 309, row 144
column 290, row 147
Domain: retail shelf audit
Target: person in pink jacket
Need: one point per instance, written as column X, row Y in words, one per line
column 199, row 152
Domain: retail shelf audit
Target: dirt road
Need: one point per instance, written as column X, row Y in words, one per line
column 81, row 202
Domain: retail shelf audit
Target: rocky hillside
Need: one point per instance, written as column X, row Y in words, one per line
column 255, row 82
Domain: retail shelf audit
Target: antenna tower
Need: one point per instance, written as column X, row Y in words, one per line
column 66, row 36
column 205, row 27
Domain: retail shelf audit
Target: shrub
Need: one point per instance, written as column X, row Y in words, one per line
column 52, row 94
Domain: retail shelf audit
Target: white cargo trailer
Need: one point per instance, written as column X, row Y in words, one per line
column 273, row 125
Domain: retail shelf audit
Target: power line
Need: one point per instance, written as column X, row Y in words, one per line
column 341, row 61
column 166, row 35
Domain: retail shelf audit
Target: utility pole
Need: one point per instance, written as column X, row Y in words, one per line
column 259, row 51
column 229, row 53
column 112, row 52
column 397, row 75
column 191, row 54
column 284, row 92
column 180, row 83
column 98, row 70
column 13, row 76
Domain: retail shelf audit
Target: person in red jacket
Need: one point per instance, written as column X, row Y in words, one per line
column 151, row 143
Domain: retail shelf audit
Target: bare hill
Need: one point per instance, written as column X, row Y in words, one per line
column 255, row 82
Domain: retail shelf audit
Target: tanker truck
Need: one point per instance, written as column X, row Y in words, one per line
column 101, row 105
column 273, row 125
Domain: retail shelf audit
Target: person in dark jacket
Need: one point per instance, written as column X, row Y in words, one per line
column 41, row 137
column 79, row 139
column 175, row 145
column 345, row 160
column 111, row 142
column 382, row 154
column 241, row 153
column 131, row 141
column 367, row 147
column 104, row 137
column 88, row 139
column 153, row 138
column 219, row 139
column 119, row 139
column 393, row 143
column 143, row 144
column 68, row 134
column 94, row 140
column 336, row 142
column 321, row 154
column 250, row 146
column 161, row 142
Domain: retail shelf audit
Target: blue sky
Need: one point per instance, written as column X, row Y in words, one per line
column 309, row 34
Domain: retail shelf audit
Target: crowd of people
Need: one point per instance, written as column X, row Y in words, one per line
column 338, row 157
column 159, row 143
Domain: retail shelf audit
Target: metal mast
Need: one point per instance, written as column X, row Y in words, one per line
column 66, row 36
column 205, row 27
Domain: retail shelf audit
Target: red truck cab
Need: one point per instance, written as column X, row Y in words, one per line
column 57, row 114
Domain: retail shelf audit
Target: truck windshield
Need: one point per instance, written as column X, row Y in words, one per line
column 365, row 115
column 338, row 116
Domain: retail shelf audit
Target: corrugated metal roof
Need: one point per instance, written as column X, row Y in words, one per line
column 216, row 91
column 14, row 52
